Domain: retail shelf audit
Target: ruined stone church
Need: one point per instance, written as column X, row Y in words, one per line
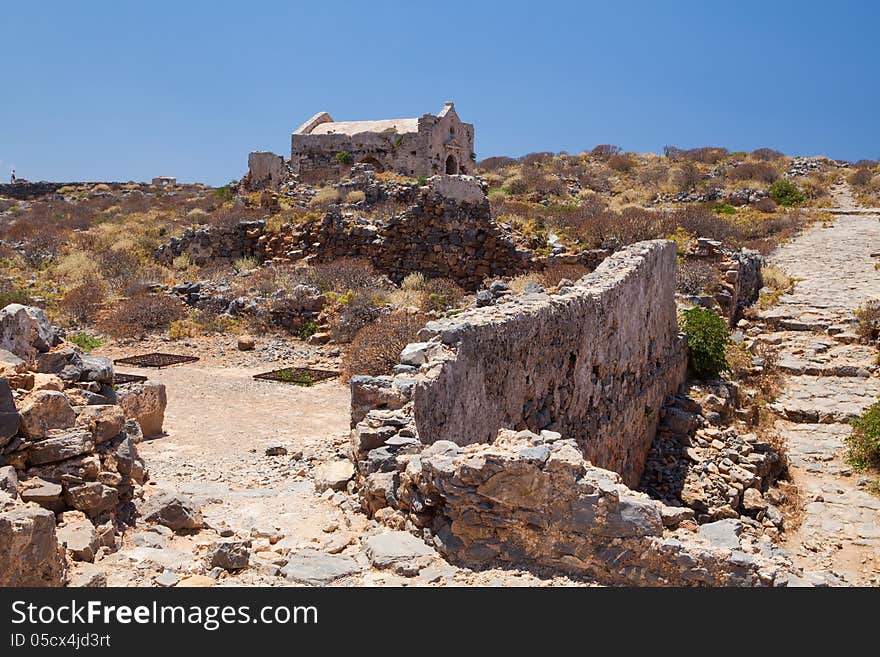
column 424, row 146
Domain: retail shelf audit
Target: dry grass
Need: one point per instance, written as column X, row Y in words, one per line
column 376, row 348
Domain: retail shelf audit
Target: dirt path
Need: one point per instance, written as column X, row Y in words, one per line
column 219, row 423
column 829, row 380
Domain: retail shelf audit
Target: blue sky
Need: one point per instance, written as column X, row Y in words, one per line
column 122, row 90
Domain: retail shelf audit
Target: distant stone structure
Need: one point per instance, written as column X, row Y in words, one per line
column 422, row 146
column 164, row 181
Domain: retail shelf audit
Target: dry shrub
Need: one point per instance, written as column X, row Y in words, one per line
column 605, row 151
column 519, row 283
column 345, row 274
column 495, row 163
column 767, row 154
column 760, row 171
column 776, row 279
column 766, row 205
column 376, row 348
column 694, row 277
column 141, row 314
column 441, row 294
column 868, row 320
column 537, row 158
column 622, row 162
column 120, row 267
column 81, row 303
column 325, row 197
column 78, row 267
column 704, row 155
column 352, row 312
column 557, row 271
column 355, row 196
column 685, row 177
column 866, row 164
column 536, row 180
column 860, row 177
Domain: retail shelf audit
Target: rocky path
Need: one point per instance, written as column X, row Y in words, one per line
column 828, row 381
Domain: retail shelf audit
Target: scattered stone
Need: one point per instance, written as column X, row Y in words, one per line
column 399, row 551
column 333, row 475
column 166, row 579
column 276, row 450
column 229, row 555
column 174, row 511
column 316, row 568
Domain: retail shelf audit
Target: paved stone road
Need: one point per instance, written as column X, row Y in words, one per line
column 828, row 384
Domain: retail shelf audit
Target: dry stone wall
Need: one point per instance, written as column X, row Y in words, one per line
column 594, row 362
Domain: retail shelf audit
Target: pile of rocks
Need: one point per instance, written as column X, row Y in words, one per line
column 804, row 166
column 745, row 196
column 67, row 447
column 718, row 472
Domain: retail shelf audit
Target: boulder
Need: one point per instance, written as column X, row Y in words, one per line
column 9, row 417
column 174, row 511
column 61, row 445
column 25, row 331
column 92, row 497
column 105, row 421
column 97, row 368
column 318, row 568
column 66, row 363
column 399, row 551
column 47, row 494
column 144, row 402
column 47, row 382
column 246, row 343
column 78, row 535
column 11, row 364
column 229, row 555
column 43, row 411
column 9, row 481
column 334, row 474
column 29, row 548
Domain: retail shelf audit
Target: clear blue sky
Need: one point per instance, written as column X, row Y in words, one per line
column 120, row 90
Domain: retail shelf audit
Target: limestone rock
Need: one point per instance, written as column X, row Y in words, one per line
column 399, row 551
column 246, row 343
column 174, row 511
column 97, row 368
column 144, row 402
column 9, row 417
column 61, row 445
column 45, row 410
column 105, row 421
column 29, row 548
column 78, row 535
column 25, row 331
column 229, row 555
column 334, row 475
column 45, row 493
column 9, row 481
column 318, row 568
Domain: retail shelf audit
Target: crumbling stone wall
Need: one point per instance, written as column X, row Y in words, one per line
column 446, row 233
column 593, row 362
column 740, row 273
column 265, row 171
column 210, row 243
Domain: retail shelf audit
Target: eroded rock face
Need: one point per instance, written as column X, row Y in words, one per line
column 29, row 548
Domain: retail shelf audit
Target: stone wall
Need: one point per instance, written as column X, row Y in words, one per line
column 265, row 171
column 24, row 191
column 446, row 233
column 740, row 277
column 594, row 361
column 211, row 243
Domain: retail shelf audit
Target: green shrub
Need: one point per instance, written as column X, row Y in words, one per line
column 226, row 192
column 344, row 157
column 724, row 208
column 707, row 339
column 308, row 329
column 85, row 341
column 786, row 193
column 863, row 444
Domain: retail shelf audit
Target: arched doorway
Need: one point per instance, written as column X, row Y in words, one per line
column 373, row 162
column 451, row 165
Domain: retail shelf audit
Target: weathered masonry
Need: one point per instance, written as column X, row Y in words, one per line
column 513, row 433
column 424, row 146
column 593, row 362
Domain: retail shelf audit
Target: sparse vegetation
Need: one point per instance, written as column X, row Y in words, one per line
column 786, row 193
column 863, row 444
column 376, row 348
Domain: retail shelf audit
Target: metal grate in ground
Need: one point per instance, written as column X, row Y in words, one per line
column 300, row 376
column 155, row 359
column 120, row 379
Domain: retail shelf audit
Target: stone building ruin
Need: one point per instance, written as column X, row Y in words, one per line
column 424, row 146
